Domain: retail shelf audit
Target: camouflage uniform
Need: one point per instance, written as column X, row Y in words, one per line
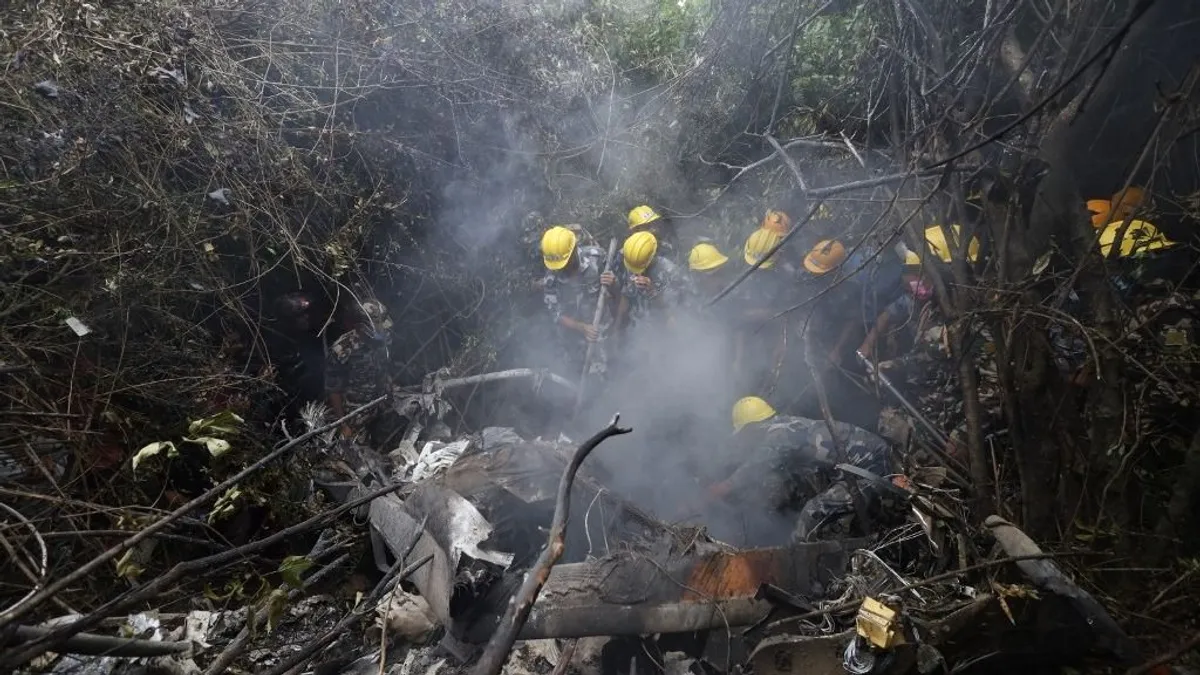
column 574, row 295
column 797, row 460
column 668, row 286
column 357, row 369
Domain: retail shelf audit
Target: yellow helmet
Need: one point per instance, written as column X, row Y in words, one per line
column 705, row 257
column 1139, row 238
column 825, row 257
column 935, row 239
column 641, row 216
column 758, row 244
column 911, row 259
column 749, row 410
column 558, row 244
column 638, row 251
column 777, row 222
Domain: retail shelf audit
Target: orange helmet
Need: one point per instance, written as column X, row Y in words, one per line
column 777, row 222
column 825, row 257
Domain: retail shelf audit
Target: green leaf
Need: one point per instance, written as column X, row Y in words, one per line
column 153, row 449
column 1042, row 263
column 292, row 568
column 225, row 505
column 128, row 568
column 216, row 446
column 222, row 423
column 276, row 604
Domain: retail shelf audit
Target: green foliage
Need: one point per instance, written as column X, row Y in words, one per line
column 655, row 40
column 293, row 568
column 828, row 61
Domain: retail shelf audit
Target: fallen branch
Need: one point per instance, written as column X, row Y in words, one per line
column 105, row 645
column 397, row 573
column 498, row 648
column 511, row 374
column 129, row 598
column 51, row 590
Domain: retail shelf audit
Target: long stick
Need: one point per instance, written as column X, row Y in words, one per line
column 498, row 648
column 105, row 645
column 591, row 347
column 512, row 373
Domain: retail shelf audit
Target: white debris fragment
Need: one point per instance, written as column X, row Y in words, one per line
column 436, row 457
column 77, row 326
column 143, row 626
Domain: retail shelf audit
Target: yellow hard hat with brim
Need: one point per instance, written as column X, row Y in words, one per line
column 944, row 247
column 638, row 251
column 1140, row 237
column 705, row 257
column 825, row 257
column 558, row 244
column 749, row 410
column 641, row 216
column 758, row 244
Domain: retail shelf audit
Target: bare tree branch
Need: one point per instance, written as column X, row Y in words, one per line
column 497, row 650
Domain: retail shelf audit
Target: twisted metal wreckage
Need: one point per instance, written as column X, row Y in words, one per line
column 829, row 606
column 467, row 530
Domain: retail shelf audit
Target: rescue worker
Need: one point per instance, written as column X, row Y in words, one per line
column 570, row 290
column 795, row 458
column 297, row 350
column 944, row 247
column 790, row 258
column 760, row 350
column 901, row 315
column 1139, row 238
column 645, row 219
column 852, row 290
column 708, row 273
column 651, row 287
column 1144, row 258
column 357, row 370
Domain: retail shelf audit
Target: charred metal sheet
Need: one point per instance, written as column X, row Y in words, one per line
column 798, row 654
column 638, row 595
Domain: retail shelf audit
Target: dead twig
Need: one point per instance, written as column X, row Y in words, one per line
column 51, row 590
column 498, row 648
column 152, row 588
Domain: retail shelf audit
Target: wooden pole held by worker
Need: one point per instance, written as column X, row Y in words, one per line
column 591, row 347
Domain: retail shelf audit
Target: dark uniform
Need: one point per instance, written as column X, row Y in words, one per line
column 574, row 295
column 357, row 369
column 797, row 460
